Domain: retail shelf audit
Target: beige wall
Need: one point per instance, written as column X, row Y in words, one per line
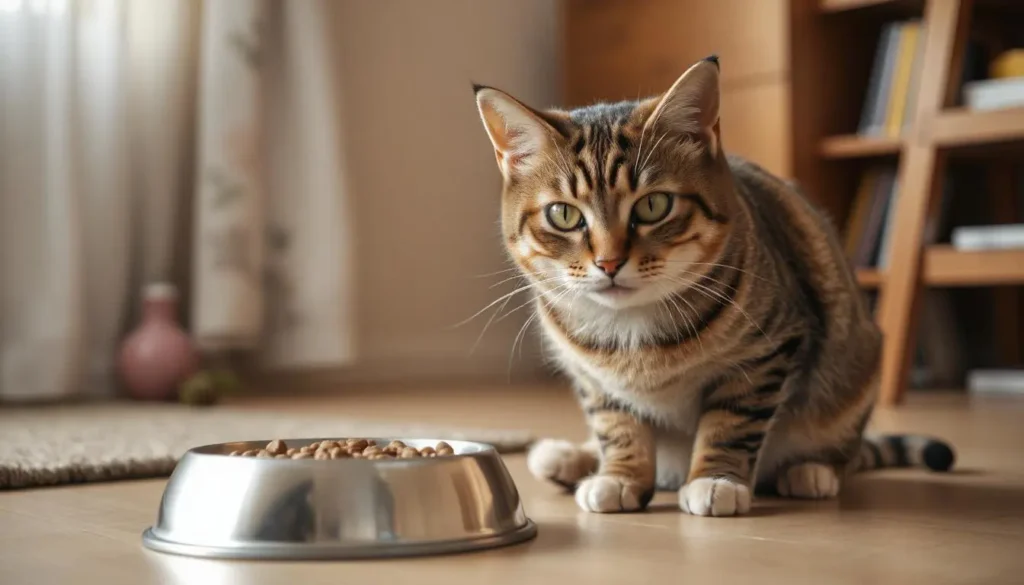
column 424, row 185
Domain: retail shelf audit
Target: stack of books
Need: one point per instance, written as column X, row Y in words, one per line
column 894, row 80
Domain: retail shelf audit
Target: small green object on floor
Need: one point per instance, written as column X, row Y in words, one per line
column 207, row 387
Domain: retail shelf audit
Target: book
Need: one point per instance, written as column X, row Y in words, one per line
column 906, row 53
column 994, row 94
column 873, row 112
column 867, row 248
column 996, row 381
column 915, row 78
column 882, row 258
column 859, row 212
column 988, row 237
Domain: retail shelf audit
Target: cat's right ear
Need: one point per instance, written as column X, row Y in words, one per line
column 519, row 134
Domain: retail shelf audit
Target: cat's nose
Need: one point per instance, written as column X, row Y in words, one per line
column 610, row 266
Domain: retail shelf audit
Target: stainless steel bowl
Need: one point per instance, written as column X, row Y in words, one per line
column 241, row 507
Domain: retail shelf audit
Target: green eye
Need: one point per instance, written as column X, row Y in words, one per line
column 564, row 217
column 652, row 208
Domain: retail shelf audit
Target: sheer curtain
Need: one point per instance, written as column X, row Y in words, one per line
column 109, row 162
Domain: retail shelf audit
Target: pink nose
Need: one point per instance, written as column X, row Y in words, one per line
column 610, row 266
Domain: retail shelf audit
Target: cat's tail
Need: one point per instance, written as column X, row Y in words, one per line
column 881, row 451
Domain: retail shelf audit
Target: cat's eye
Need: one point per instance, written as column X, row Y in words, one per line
column 564, row 217
column 652, row 208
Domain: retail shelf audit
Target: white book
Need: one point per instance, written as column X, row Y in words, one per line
column 995, row 381
column 989, row 237
column 994, row 94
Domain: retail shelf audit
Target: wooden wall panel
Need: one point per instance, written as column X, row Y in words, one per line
column 617, row 49
column 756, row 123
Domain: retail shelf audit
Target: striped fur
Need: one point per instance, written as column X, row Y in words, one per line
column 721, row 347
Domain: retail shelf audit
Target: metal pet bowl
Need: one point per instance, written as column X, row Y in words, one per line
column 256, row 508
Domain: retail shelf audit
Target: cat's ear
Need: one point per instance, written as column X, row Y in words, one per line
column 690, row 106
column 520, row 134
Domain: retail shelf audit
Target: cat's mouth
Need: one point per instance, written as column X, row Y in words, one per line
column 615, row 291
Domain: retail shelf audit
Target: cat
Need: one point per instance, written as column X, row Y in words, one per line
column 714, row 333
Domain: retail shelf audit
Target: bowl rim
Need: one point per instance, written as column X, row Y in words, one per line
column 484, row 450
column 336, row 551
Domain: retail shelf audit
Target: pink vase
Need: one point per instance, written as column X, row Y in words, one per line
column 158, row 355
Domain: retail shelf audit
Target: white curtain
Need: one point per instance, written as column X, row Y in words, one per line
column 106, row 150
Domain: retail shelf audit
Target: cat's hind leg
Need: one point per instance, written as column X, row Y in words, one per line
column 562, row 462
column 810, row 480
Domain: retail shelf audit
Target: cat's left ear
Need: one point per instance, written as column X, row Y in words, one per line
column 690, row 106
column 520, row 134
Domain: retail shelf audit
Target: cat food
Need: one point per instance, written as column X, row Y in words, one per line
column 345, row 449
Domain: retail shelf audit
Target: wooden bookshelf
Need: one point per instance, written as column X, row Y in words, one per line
column 870, row 278
column 855, row 146
column 833, row 44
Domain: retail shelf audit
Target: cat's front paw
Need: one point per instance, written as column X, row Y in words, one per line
column 560, row 462
column 610, row 493
column 714, row 496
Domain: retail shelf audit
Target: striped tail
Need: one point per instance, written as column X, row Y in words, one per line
column 879, row 452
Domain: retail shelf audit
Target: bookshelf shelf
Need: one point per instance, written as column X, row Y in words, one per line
column 960, row 127
column 856, row 146
column 844, row 5
column 944, row 265
column 870, row 278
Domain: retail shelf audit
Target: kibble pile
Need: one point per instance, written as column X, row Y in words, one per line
column 346, row 449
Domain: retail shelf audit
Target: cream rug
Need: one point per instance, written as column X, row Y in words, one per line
column 91, row 443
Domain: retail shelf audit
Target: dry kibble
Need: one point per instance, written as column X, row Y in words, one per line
column 276, row 447
column 346, row 449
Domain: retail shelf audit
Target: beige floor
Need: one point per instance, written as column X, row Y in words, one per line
column 900, row 527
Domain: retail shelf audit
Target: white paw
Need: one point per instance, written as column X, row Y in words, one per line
column 808, row 480
column 706, row 496
column 607, row 493
column 559, row 461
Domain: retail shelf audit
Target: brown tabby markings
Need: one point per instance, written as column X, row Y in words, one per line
column 752, row 350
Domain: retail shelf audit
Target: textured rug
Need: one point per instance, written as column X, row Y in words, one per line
column 93, row 443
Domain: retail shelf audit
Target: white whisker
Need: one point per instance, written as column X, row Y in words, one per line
column 492, row 303
column 720, row 298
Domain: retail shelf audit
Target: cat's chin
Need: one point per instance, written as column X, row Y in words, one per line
column 618, row 297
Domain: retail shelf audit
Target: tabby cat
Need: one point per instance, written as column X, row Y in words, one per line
column 715, row 335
